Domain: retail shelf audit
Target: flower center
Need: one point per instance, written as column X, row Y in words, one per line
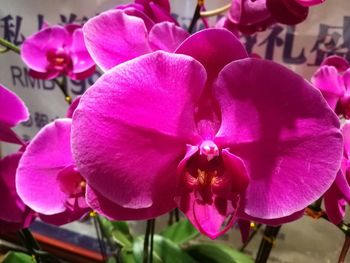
column 58, row 59
column 71, row 182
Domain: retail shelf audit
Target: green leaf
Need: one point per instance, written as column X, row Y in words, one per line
column 216, row 253
column 119, row 231
column 111, row 260
column 164, row 251
column 127, row 256
column 180, row 232
column 17, row 257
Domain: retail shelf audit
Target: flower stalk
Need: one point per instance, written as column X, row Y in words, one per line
column 267, row 242
column 9, row 46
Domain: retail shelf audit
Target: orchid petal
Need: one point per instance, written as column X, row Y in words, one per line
column 237, row 170
column 214, row 48
column 27, row 219
column 271, row 222
column 50, row 74
column 65, row 217
column 248, row 12
column 80, row 56
column 12, row 208
column 135, row 144
column 334, row 199
column 287, row 136
column 310, row 2
column 8, row 135
column 82, row 75
column 126, row 38
column 13, row 109
column 111, row 210
column 346, row 78
column 330, row 83
column 34, row 49
column 207, row 218
column 166, row 36
column 340, row 63
column 73, row 107
column 244, row 228
column 346, row 136
column 165, row 4
column 158, row 14
column 287, row 12
column 36, row 181
column 134, row 10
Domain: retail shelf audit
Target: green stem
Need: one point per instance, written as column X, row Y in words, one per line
column 99, row 237
column 153, row 223
column 146, row 241
column 9, row 45
column 250, row 238
column 195, row 18
column 344, row 250
column 30, row 243
column 267, row 243
column 63, row 87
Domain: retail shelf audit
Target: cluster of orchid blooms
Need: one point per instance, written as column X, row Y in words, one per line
column 178, row 120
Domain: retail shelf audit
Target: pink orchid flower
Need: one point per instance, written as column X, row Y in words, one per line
column 250, row 16
column 333, row 80
column 57, row 50
column 208, row 130
column 12, row 112
column 129, row 36
column 158, row 10
column 336, row 198
column 52, row 186
column 14, row 214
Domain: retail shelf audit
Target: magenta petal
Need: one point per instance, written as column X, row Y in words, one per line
column 73, row 107
column 27, row 218
column 340, row 63
column 310, row 2
column 236, row 168
column 113, row 211
column 65, row 217
column 330, row 83
column 135, row 11
column 271, row 222
column 35, row 47
column 342, row 185
column 210, row 220
column 136, row 119
column 287, row 12
column 126, row 38
column 166, row 36
column 82, row 75
column 50, row 74
column 247, row 12
column 12, row 208
column 284, row 132
column 334, row 199
column 346, row 136
column 80, row 56
column 165, row 4
column 244, row 228
column 207, row 218
column 158, row 14
column 8, row 135
column 214, row 48
column 46, row 155
column 13, row 109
